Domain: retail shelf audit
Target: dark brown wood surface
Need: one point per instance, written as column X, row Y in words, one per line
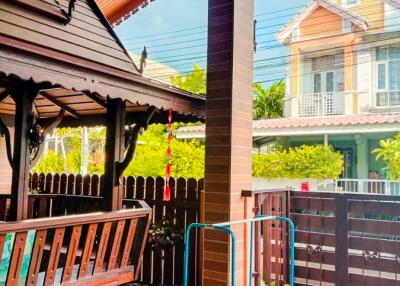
column 85, row 36
column 228, row 132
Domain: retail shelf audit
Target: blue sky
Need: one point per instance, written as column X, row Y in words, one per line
column 151, row 27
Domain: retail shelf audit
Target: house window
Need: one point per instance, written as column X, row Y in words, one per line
column 392, row 19
column 348, row 3
column 388, row 76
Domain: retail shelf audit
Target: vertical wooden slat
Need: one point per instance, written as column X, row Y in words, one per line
column 116, row 245
column 191, row 217
column 54, row 256
column 86, row 185
column 94, row 188
column 72, row 249
column 71, row 184
column 16, row 259
column 157, row 192
column 87, row 251
column 168, row 262
column 2, row 242
column 130, row 187
column 78, row 184
column 36, row 257
column 101, row 252
column 63, row 183
column 341, row 238
column 128, row 242
column 180, row 222
column 49, row 184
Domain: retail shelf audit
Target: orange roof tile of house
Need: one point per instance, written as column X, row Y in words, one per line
column 117, row 11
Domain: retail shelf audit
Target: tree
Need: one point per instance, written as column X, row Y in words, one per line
column 151, row 155
column 194, row 82
column 50, row 163
column 268, row 102
column 389, row 152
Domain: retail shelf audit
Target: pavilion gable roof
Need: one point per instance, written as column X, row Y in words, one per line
column 80, row 30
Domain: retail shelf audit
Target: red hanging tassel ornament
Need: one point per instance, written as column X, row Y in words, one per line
column 167, row 191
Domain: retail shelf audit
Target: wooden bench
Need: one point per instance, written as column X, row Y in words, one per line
column 103, row 248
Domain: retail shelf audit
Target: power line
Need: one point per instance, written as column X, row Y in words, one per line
column 304, row 53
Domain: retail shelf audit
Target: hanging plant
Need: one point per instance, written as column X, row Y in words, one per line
column 165, row 234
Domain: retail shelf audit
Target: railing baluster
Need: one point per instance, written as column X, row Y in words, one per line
column 72, row 249
column 101, row 252
column 54, row 256
column 116, row 245
column 16, row 259
column 128, row 243
column 87, row 251
column 36, row 257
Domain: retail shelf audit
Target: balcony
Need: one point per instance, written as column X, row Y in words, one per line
column 321, row 104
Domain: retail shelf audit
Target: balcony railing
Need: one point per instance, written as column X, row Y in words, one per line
column 368, row 186
column 320, row 104
column 388, row 98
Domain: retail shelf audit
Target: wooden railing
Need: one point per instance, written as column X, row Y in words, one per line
column 89, row 249
column 60, row 194
column 341, row 238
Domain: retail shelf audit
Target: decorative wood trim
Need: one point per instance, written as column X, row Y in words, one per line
column 132, row 140
column 6, row 132
column 44, row 8
column 46, row 130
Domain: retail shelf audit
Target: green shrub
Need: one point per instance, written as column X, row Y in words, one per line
column 315, row 161
column 389, row 152
column 50, row 163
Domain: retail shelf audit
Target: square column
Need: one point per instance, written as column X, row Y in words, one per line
column 114, row 151
column 228, row 135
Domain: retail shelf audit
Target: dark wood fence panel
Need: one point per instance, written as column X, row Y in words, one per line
column 347, row 239
column 61, row 194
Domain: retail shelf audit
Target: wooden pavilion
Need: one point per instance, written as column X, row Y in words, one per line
column 61, row 64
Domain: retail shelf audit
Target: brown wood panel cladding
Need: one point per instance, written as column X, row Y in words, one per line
column 92, row 41
column 228, row 128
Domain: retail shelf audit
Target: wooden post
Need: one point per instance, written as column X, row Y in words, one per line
column 114, row 149
column 342, row 240
column 23, row 94
column 228, row 134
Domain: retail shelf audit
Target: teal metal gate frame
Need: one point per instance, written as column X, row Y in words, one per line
column 225, row 227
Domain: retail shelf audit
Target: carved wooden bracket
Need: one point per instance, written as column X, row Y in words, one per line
column 131, row 140
column 35, row 155
column 6, row 132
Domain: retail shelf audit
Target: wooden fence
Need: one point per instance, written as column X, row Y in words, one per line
column 61, row 194
column 341, row 238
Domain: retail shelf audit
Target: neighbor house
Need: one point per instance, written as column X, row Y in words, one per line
column 342, row 82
